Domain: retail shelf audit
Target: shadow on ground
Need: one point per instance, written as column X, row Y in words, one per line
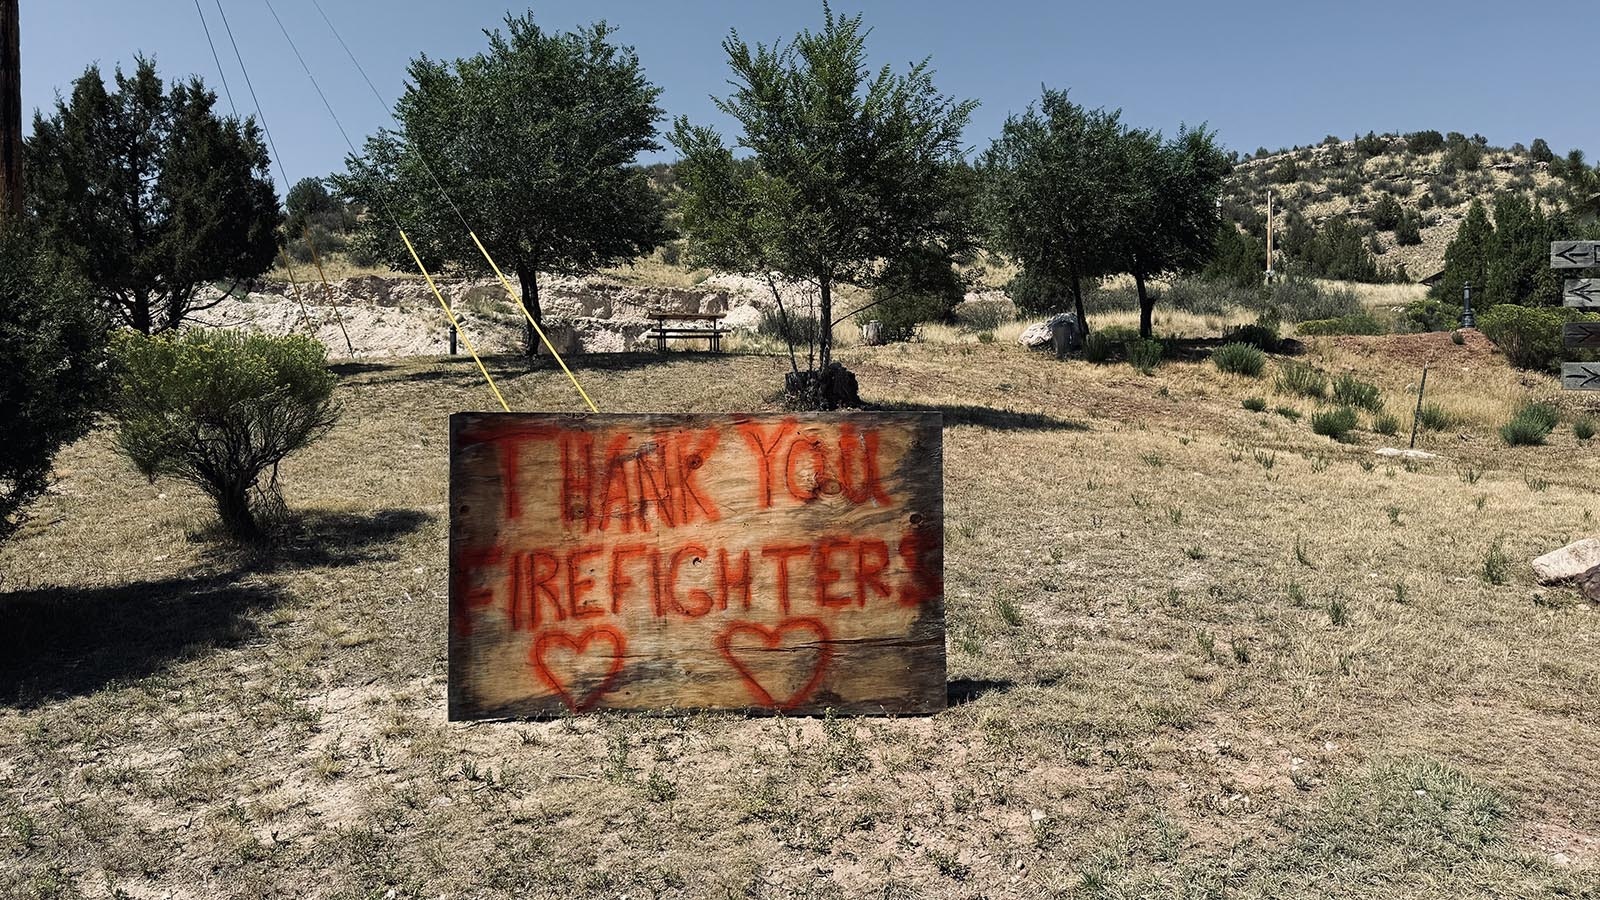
column 64, row 641
column 966, row 690
column 329, row 539
column 989, row 417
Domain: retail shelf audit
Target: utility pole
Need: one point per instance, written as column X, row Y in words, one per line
column 10, row 112
column 1269, row 237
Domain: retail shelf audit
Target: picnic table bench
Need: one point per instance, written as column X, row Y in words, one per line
column 673, row 325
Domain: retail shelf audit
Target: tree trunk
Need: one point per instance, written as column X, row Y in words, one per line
column 1077, row 303
column 139, row 313
column 529, row 278
column 1147, row 305
column 233, row 507
column 824, row 327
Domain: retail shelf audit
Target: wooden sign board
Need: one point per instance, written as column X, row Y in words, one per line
column 1580, row 334
column 1583, row 293
column 765, row 562
column 1573, row 254
column 1580, row 376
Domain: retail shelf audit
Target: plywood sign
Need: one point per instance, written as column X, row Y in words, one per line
column 771, row 562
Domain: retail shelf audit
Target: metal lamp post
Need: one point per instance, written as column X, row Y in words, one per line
column 1466, row 306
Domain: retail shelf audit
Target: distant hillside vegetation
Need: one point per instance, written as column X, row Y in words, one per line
column 1405, row 194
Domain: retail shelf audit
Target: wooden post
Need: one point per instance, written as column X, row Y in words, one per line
column 1269, row 237
column 1418, row 411
column 10, row 111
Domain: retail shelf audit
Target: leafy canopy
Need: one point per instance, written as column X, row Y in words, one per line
column 535, row 140
column 848, row 170
column 150, row 194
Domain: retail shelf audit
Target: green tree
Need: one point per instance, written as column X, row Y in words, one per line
column 1237, row 257
column 220, row 409
column 150, row 194
column 308, row 202
column 1466, row 259
column 535, row 140
column 1168, row 216
column 1540, row 151
column 53, row 344
column 848, row 170
column 1051, row 192
column 1517, row 269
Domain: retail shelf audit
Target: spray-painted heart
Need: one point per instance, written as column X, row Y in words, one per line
column 767, row 660
column 562, row 684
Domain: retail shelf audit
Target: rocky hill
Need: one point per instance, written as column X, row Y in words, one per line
column 1432, row 178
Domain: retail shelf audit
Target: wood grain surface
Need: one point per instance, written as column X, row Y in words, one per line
column 768, row 562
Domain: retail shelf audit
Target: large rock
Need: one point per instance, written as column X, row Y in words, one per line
column 1569, row 563
column 1038, row 334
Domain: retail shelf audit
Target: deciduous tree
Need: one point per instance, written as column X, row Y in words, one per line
column 535, row 139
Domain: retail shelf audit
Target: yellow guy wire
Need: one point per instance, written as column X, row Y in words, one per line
column 524, row 307
column 450, row 314
column 327, row 294
column 294, row 287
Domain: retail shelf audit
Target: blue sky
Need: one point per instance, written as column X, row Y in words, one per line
column 1268, row 74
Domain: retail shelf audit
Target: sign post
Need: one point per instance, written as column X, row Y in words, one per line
column 765, row 562
column 1579, row 293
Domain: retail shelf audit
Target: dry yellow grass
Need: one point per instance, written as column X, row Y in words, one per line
column 1194, row 650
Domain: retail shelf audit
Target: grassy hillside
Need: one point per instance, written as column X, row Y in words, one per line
column 1195, row 650
column 1351, row 178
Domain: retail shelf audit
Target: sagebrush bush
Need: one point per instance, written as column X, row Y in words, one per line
column 1097, row 347
column 1348, row 390
column 1355, row 323
column 53, row 344
column 984, row 315
column 1530, row 337
column 1336, row 423
column 1303, row 380
column 1386, row 424
column 1144, row 356
column 1583, row 428
column 219, row 409
column 1531, row 425
column 788, row 326
column 1240, row 358
column 1433, row 417
column 1254, row 404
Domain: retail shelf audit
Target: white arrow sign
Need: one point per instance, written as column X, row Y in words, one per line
column 1581, row 292
column 1573, row 254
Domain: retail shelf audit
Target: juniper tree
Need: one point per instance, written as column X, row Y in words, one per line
column 150, row 194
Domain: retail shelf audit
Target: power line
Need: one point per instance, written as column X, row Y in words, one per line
column 215, row 58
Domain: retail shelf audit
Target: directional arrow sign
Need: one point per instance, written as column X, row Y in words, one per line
column 1581, row 292
column 1572, row 254
column 1580, row 376
column 1580, row 334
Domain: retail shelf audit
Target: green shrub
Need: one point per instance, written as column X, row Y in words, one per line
column 1336, row 423
column 1120, row 334
column 787, row 326
column 1144, row 356
column 983, row 315
column 1430, row 315
column 1531, row 425
column 1239, row 358
column 1530, row 337
column 1583, row 428
column 1288, row 412
column 221, row 408
column 922, row 286
column 1254, row 404
column 1097, row 347
column 1386, row 213
column 1301, row 379
column 1408, row 233
column 1355, row 323
column 53, row 342
column 1457, row 338
column 1296, row 299
column 1432, row 417
column 1262, row 335
column 1348, row 390
column 1386, row 424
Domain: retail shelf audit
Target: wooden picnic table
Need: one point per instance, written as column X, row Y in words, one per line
column 668, row 326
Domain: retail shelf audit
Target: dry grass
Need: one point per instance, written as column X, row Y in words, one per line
column 1194, row 650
